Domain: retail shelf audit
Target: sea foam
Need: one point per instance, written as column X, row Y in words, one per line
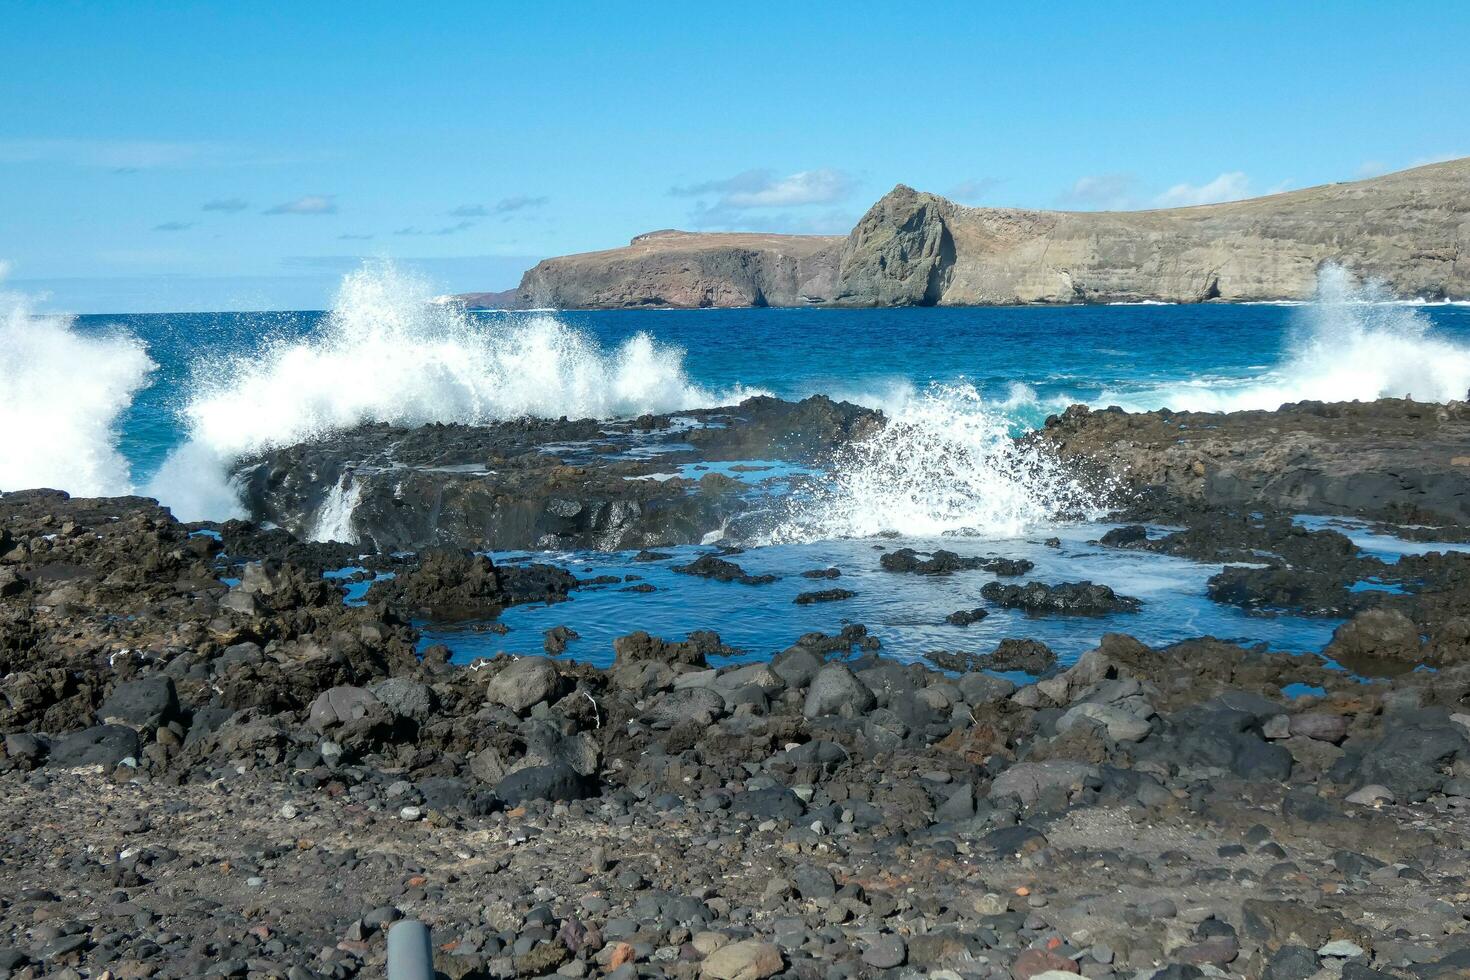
column 62, row 393
column 947, row 463
column 1352, row 343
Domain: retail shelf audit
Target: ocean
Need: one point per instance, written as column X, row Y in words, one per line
column 159, row 404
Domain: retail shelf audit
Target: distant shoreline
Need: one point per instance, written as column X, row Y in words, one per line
column 917, row 249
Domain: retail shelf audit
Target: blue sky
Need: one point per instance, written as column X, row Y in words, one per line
column 228, row 155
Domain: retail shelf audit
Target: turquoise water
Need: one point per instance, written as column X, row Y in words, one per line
column 1028, row 361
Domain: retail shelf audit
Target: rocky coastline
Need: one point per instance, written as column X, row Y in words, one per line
column 912, row 248
column 213, row 766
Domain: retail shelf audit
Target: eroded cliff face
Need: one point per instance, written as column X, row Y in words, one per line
column 1409, row 230
column 900, row 254
column 675, row 268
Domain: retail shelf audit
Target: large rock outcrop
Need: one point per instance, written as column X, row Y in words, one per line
column 1392, row 459
column 1409, row 230
column 675, row 268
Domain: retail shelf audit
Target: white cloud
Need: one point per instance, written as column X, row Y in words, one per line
column 973, row 189
column 310, row 204
column 1108, row 191
column 763, row 189
column 519, row 202
column 453, row 229
column 1230, row 186
column 761, row 192
column 1436, row 158
column 125, row 156
column 229, row 205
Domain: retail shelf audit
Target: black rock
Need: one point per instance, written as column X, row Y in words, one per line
column 101, row 745
column 553, row 782
column 1069, row 598
column 144, row 703
column 964, row 617
column 943, row 562
column 712, row 567
column 772, row 803
column 825, row 595
column 1291, row 963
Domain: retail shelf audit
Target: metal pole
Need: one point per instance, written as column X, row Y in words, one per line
column 410, row 955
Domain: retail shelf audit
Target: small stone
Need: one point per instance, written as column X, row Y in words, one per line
column 745, row 960
column 1037, row 962
column 991, row 904
column 1343, row 948
column 1371, row 795
column 885, row 952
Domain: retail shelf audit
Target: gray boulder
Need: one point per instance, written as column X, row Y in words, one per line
column 405, row 698
column 1027, row 781
column 981, row 688
column 836, row 690
column 1120, row 725
column 525, row 682
column 341, row 705
column 702, row 705
column 796, row 666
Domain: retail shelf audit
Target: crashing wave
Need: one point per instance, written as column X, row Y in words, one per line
column 62, row 394
column 947, row 463
column 1352, row 343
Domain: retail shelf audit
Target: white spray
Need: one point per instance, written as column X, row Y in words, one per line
column 62, row 393
column 945, row 464
column 388, row 353
column 1351, row 344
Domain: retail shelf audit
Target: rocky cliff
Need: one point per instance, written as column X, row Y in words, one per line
column 676, row 268
column 1411, row 230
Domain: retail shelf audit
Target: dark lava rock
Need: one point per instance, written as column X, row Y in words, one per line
column 947, row 563
column 554, row 641
column 462, row 585
column 1413, row 760
column 554, row 782
column 144, row 703
column 964, row 617
column 1291, row 963
column 824, row 595
column 693, row 651
column 713, row 567
column 1031, row 656
column 101, row 745
column 1069, row 598
column 771, row 803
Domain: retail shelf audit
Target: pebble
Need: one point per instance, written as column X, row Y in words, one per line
column 1371, row 795
column 885, row 952
column 1341, row 948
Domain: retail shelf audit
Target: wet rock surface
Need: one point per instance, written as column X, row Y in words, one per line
column 1393, row 460
column 533, row 483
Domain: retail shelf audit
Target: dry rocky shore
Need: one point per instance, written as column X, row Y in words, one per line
column 212, row 766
